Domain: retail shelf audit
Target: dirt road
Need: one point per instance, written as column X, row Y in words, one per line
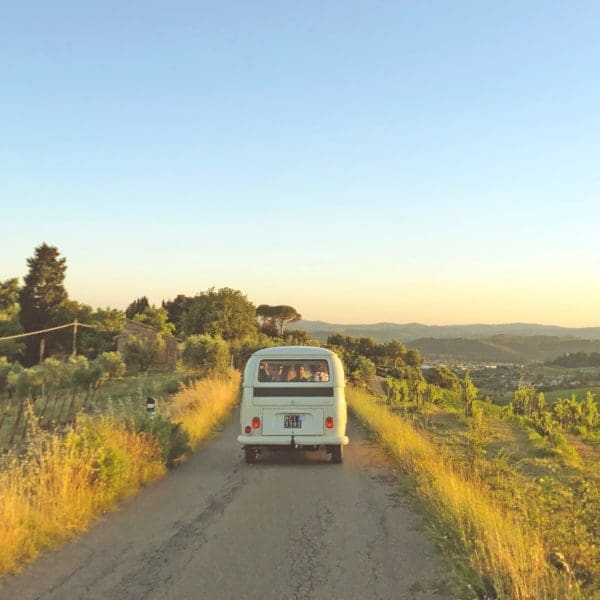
column 293, row 526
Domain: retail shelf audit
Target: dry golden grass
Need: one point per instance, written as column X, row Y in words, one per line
column 64, row 482
column 509, row 555
column 203, row 405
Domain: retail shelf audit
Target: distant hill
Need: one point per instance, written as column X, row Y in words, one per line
column 407, row 332
column 504, row 348
column 511, row 342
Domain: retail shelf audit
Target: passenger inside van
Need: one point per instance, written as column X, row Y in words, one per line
column 318, row 373
column 293, row 371
column 289, row 373
column 263, row 374
column 300, row 373
column 276, row 372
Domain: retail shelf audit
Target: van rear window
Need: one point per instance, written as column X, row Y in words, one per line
column 295, row 371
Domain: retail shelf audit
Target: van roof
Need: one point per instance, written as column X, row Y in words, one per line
column 279, row 351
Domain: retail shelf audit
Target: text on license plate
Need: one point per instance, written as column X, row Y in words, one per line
column 292, row 421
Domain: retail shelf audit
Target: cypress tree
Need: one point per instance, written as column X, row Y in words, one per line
column 42, row 294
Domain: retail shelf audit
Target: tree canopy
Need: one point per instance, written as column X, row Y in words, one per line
column 139, row 305
column 9, row 318
column 42, row 295
column 157, row 318
column 175, row 309
column 44, row 291
column 274, row 319
column 224, row 313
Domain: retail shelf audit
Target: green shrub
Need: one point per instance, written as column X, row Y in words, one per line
column 172, row 439
column 205, row 355
column 171, row 385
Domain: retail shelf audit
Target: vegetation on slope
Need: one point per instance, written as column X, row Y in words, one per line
column 65, row 480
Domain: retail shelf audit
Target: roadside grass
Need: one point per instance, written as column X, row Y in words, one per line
column 63, row 480
column 496, row 537
column 552, row 481
column 202, row 406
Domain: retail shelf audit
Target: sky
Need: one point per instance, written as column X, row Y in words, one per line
column 362, row 161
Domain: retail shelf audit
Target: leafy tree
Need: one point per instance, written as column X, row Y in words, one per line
column 337, row 339
column 364, row 372
column 367, row 347
column 443, row 377
column 106, row 322
column 225, row 313
column 175, row 309
column 205, row 354
column 299, row 337
column 139, row 305
column 277, row 318
column 42, row 295
column 394, row 351
column 112, row 364
column 68, row 312
column 157, row 318
column 413, row 358
column 9, row 296
column 5, row 368
column 9, row 319
column 141, row 352
column 242, row 348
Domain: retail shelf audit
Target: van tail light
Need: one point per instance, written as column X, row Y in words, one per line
column 248, row 429
column 329, row 422
column 255, row 423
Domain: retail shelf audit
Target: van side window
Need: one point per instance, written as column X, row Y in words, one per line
column 296, row 371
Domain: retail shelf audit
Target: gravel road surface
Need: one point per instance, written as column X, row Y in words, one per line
column 293, row 526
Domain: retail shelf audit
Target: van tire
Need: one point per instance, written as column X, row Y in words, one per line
column 251, row 455
column 337, row 454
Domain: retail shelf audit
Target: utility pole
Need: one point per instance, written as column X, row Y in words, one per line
column 42, row 348
column 75, row 337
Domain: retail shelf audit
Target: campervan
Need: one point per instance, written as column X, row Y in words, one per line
column 293, row 397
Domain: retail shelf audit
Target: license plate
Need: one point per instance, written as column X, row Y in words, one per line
column 292, row 422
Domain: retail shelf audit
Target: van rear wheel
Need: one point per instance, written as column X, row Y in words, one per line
column 337, row 454
column 251, row 455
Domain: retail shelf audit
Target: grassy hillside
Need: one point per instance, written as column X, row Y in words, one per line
column 515, row 512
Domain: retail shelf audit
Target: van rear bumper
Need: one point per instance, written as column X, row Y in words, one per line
column 286, row 440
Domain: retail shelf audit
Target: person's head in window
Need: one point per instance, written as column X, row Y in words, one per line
column 276, row 372
column 316, row 372
column 263, row 374
column 300, row 372
column 289, row 374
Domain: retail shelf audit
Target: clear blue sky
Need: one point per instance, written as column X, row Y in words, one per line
column 362, row 161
